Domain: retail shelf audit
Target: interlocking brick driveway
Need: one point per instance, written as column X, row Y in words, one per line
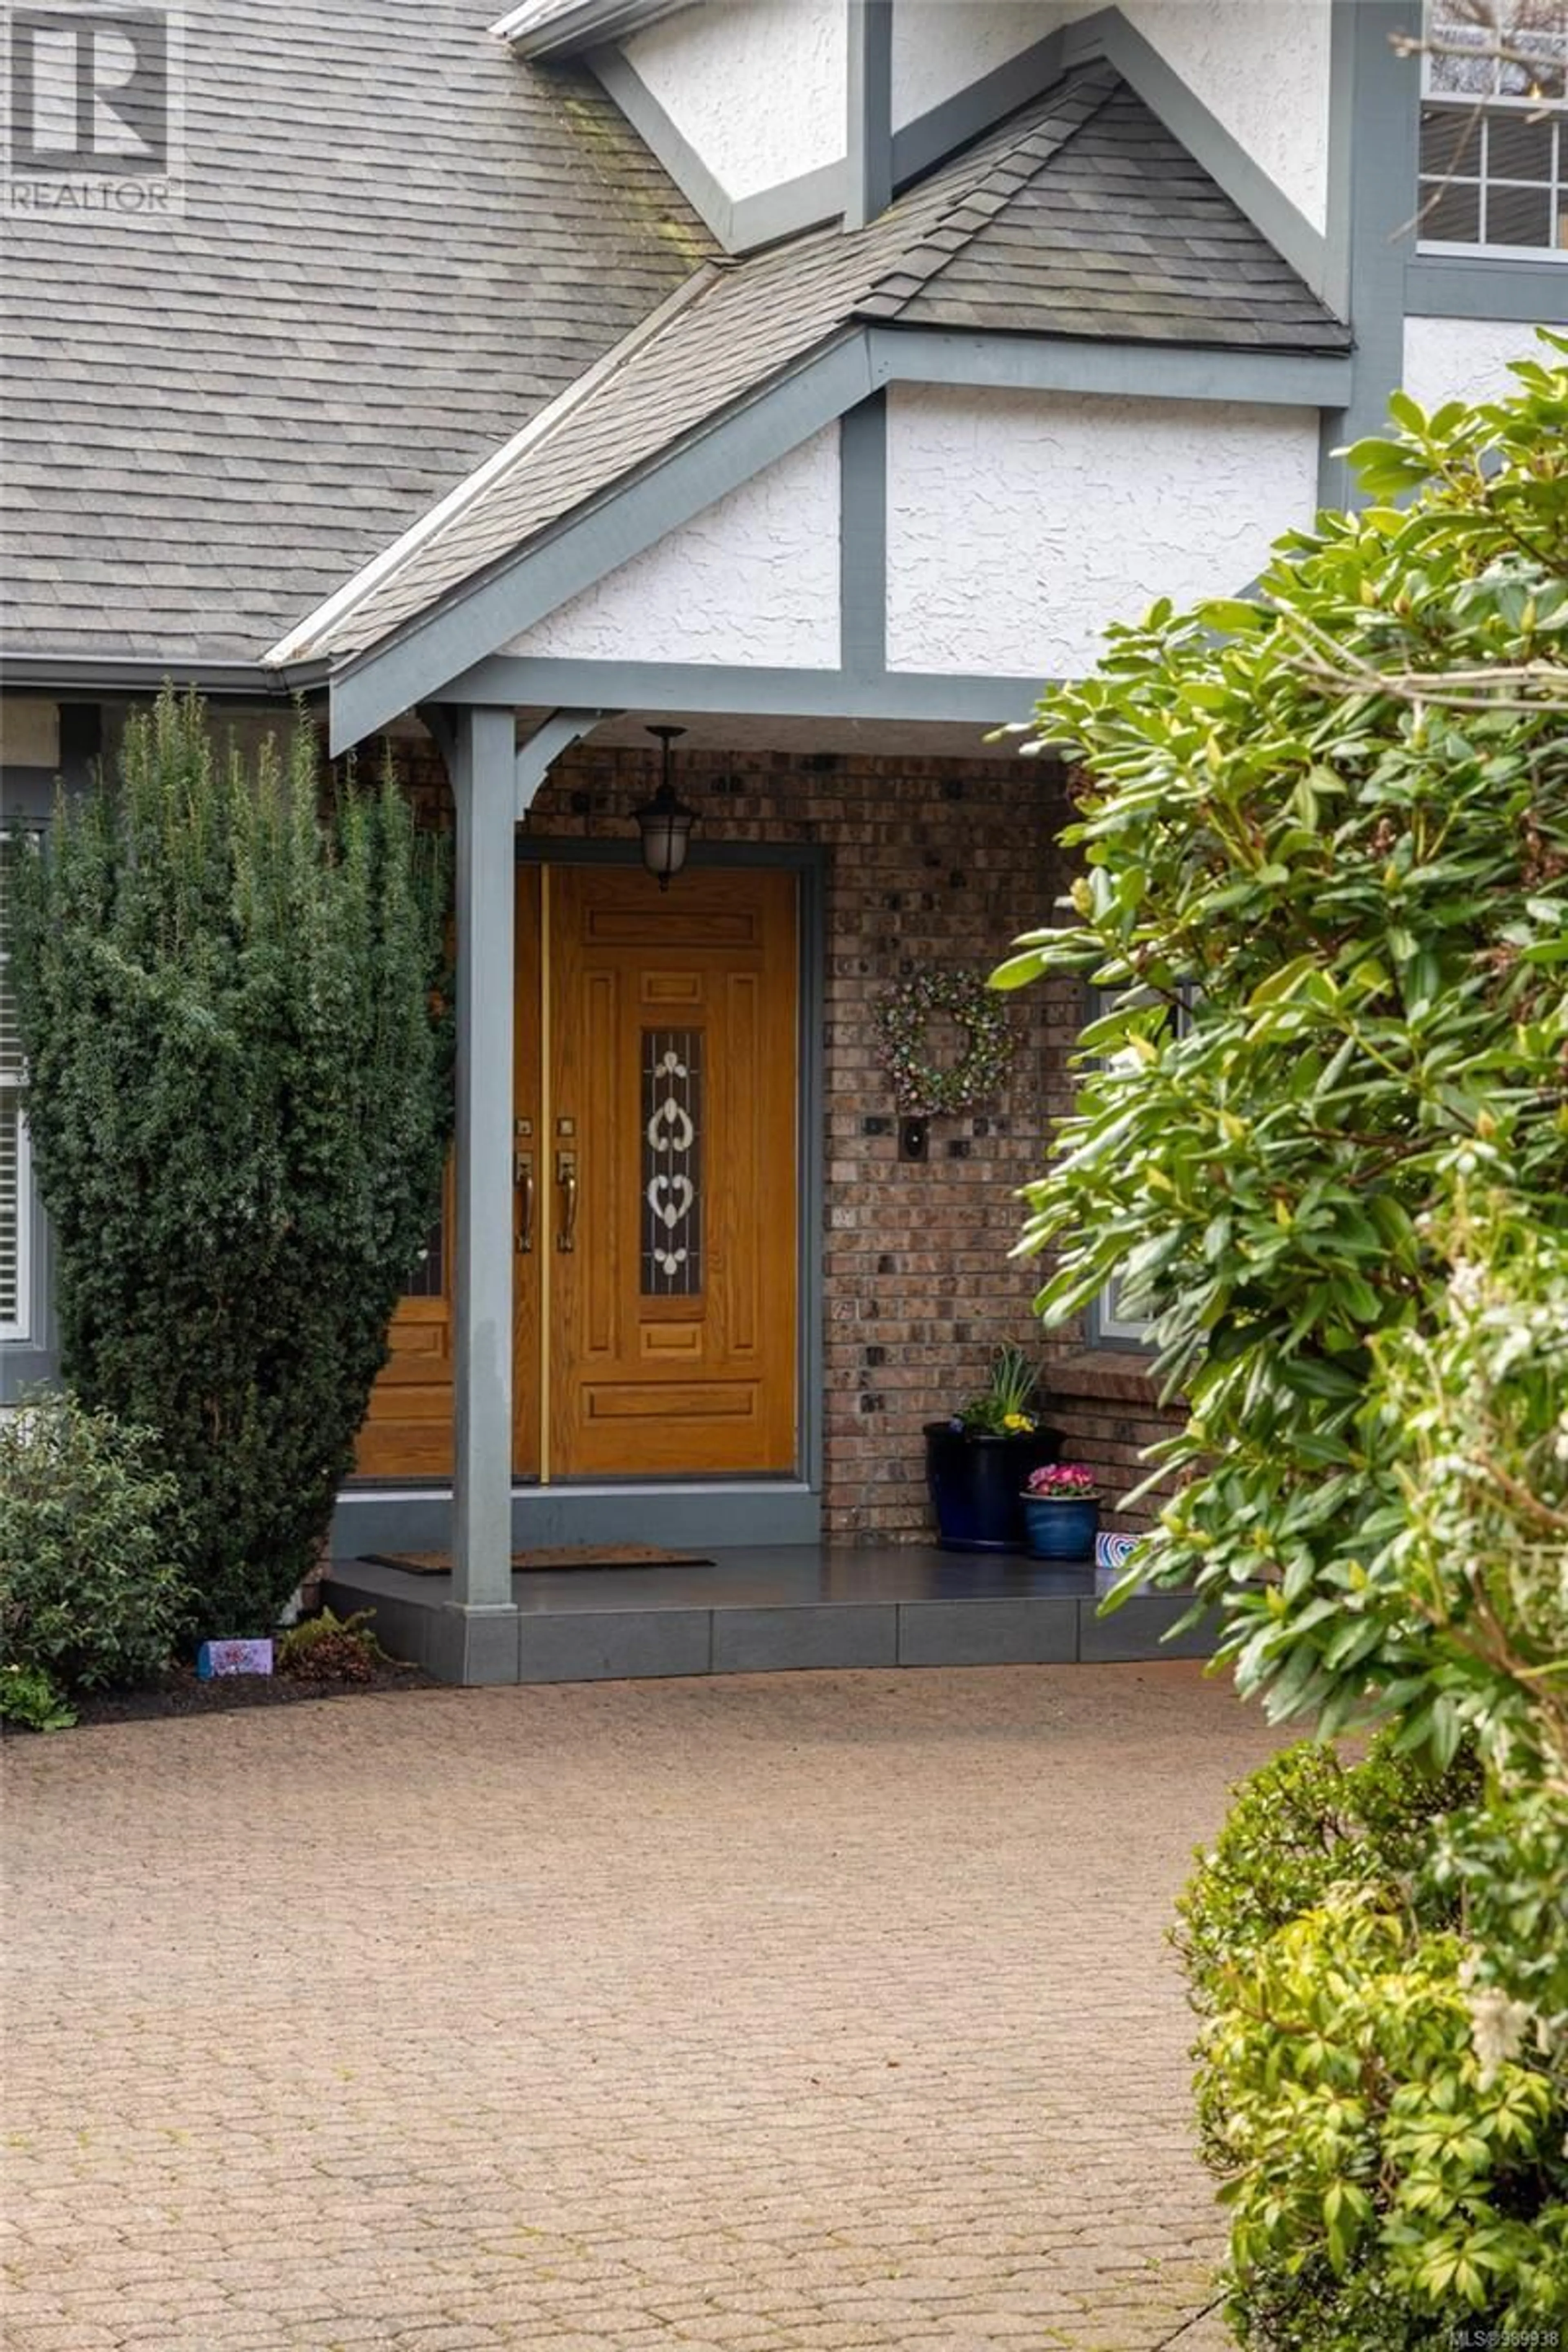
column 788, row 2014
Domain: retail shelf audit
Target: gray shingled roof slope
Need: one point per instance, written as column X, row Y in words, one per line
column 948, row 253
column 1122, row 234
column 399, row 243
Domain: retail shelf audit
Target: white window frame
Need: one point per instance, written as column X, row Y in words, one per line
column 13, row 1085
column 1486, row 106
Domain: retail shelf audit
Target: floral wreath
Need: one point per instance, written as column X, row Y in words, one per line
column 923, row 1091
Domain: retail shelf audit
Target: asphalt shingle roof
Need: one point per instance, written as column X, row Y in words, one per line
column 399, row 242
column 1079, row 216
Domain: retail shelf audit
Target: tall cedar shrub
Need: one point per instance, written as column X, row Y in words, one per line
column 1325, row 837
column 229, row 1005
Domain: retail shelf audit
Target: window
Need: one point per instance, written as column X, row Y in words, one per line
column 16, row 1175
column 1494, row 130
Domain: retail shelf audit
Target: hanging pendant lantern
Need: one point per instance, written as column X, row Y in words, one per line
column 665, row 823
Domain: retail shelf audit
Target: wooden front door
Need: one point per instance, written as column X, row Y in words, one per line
column 654, row 1100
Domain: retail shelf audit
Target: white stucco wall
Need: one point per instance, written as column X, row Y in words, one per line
column 1261, row 67
column 758, row 86
column 754, row 578
column 1464, row 358
column 1021, row 523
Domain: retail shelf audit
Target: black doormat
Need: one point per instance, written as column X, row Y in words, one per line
column 547, row 1557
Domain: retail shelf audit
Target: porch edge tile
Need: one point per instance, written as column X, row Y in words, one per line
column 614, row 1645
column 1024, row 1630
column 837, row 1633
column 1135, row 1632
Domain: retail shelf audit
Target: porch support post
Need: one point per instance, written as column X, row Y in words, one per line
column 484, row 789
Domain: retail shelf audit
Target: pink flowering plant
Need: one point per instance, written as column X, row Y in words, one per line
column 1063, row 1481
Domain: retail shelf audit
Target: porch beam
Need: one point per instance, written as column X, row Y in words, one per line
column 700, row 687
column 484, row 786
column 1143, row 371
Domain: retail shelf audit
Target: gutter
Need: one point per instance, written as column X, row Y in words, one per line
column 89, row 674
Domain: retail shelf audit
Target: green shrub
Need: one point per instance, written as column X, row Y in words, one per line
column 1304, row 1824
column 29, row 1700
column 1325, row 843
column 92, row 1542
column 237, row 1079
column 329, row 1649
column 1388, row 2131
column 1393, row 2158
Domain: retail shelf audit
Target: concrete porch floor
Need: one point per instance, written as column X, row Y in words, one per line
column 763, row 1610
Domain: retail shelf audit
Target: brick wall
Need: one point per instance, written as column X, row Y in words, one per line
column 928, row 862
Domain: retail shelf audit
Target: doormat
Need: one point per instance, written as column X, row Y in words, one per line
column 547, row 1556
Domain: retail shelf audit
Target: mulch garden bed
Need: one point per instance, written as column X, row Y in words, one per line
column 180, row 1691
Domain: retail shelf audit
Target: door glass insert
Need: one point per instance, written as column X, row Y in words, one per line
column 671, row 1163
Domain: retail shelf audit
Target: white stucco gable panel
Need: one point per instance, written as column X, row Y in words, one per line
column 758, row 87
column 1021, row 524
column 1260, row 66
column 752, row 579
column 1464, row 358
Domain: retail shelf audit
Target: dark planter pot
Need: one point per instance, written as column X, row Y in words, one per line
column 1060, row 1530
column 975, row 1485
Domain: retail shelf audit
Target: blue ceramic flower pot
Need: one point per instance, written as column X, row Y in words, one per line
column 1060, row 1530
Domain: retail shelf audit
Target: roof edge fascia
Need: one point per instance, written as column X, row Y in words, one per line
column 299, row 644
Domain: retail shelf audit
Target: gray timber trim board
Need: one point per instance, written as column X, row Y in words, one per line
column 531, row 682
column 808, row 861
column 1448, row 286
column 1372, row 142
column 863, row 539
column 1109, row 35
column 1145, row 370
column 869, row 134
column 920, row 145
column 416, row 662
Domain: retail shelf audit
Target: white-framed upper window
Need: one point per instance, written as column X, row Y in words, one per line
column 16, row 1168
column 1494, row 129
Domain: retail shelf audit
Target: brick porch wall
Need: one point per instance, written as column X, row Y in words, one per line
column 929, row 862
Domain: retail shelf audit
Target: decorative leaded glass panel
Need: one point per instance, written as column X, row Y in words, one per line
column 427, row 1277
column 671, row 1163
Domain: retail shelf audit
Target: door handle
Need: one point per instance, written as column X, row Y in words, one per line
column 566, row 1177
column 523, row 1177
